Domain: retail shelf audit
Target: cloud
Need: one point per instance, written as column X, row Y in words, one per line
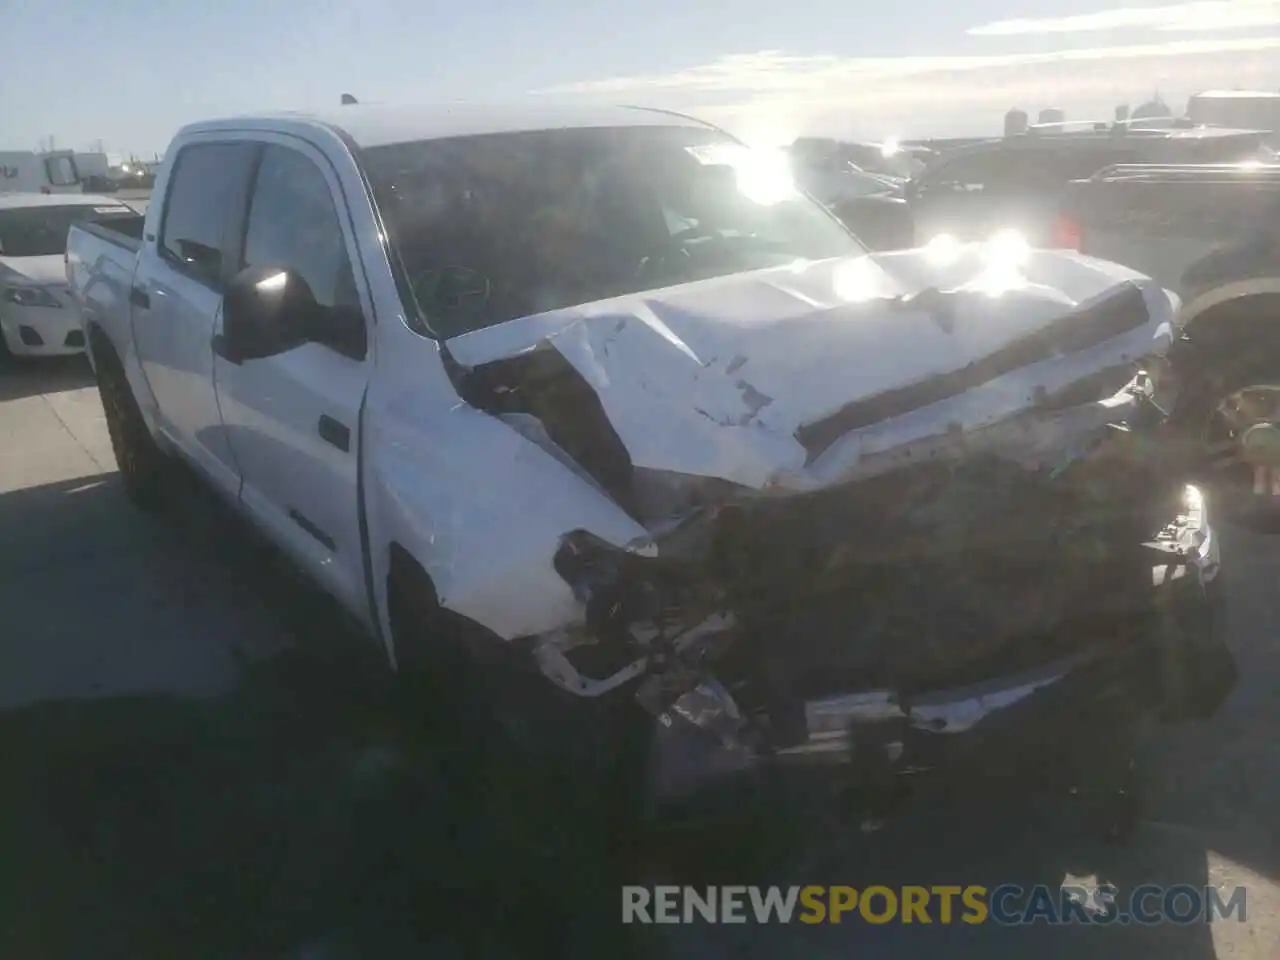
column 1206, row 15
column 781, row 95
column 772, row 72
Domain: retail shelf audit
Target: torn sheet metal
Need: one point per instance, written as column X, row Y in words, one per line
column 951, row 712
column 715, row 378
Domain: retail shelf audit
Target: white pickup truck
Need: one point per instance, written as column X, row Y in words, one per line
column 596, row 401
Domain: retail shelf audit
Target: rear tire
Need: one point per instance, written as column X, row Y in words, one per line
column 141, row 461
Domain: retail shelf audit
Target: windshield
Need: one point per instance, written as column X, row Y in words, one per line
column 490, row 228
column 42, row 231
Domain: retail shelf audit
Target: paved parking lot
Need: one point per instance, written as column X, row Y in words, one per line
column 198, row 765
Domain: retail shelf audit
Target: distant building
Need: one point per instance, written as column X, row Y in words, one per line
column 1153, row 109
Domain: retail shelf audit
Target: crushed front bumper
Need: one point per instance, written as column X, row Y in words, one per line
column 1167, row 660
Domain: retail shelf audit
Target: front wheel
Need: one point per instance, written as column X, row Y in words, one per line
column 139, row 458
column 1229, row 411
column 579, row 761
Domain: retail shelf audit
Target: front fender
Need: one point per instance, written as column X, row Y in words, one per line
column 483, row 510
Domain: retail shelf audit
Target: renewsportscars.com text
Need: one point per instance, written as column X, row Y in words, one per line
column 1006, row 905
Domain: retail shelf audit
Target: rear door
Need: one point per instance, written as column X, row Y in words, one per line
column 177, row 297
column 294, row 418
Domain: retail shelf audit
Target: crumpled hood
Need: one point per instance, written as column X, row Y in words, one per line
column 38, row 271
column 714, row 378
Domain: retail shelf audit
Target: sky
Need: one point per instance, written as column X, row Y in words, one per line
column 129, row 72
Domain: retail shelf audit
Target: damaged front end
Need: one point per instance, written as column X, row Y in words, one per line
column 979, row 550
column 876, row 623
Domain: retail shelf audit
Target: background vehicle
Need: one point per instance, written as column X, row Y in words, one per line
column 26, row 171
column 896, row 161
column 37, row 315
column 1256, row 109
column 1018, row 182
column 632, row 448
column 1212, row 234
column 872, row 206
column 95, row 172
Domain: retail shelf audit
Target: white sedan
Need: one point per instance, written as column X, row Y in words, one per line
column 37, row 316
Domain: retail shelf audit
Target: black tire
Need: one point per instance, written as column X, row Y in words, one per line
column 142, row 463
column 583, row 755
column 1207, row 380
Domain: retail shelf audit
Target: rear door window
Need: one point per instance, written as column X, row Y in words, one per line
column 207, row 188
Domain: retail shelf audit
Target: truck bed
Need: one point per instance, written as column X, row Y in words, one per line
column 1161, row 219
column 119, row 231
column 100, row 265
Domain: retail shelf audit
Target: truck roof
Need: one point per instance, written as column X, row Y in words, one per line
column 13, row 201
column 374, row 125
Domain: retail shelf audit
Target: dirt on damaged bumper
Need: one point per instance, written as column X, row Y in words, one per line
column 1163, row 659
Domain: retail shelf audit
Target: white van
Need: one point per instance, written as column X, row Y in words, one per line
column 26, row 171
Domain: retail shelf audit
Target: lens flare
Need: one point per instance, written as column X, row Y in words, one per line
column 764, row 176
column 1008, row 248
column 942, row 250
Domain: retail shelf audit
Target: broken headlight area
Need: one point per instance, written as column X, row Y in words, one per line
column 643, row 615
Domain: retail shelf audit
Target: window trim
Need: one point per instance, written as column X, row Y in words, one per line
column 238, row 224
column 216, row 284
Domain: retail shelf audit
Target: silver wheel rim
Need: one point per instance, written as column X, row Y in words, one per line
column 1242, row 434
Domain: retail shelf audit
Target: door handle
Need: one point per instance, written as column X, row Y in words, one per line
column 335, row 433
column 140, row 298
column 316, row 533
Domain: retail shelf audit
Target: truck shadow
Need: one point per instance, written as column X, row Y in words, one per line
column 21, row 378
column 302, row 811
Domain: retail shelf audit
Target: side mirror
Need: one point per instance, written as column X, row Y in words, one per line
column 268, row 310
column 261, row 310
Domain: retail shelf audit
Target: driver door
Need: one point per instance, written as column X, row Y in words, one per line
column 293, row 419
